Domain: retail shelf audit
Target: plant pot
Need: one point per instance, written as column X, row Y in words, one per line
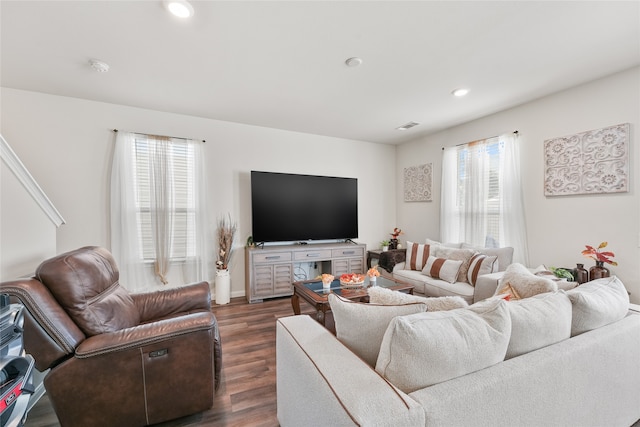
column 598, row 271
column 223, row 287
column 385, row 248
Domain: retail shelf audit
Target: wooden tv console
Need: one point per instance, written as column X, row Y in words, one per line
column 269, row 269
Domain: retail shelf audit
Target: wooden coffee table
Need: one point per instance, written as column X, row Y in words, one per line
column 311, row 291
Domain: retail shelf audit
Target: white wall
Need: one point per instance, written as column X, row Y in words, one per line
column 557, row 227
column 67, row 145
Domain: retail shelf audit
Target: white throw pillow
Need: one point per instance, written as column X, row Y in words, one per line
column 538, row 321
column 442, row 268
column 481, row 264
column 598, row 303
column 416, row 256
column 524, row 282
column 361, row 326
column 380, row 295
column 428, row 348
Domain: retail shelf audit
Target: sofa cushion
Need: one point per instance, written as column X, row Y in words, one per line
column 435, row 287
column 598, row 303
column 361, row 326
column 380, row 295
column 423, row 349
column 417, row 256
column 479, row 265
column 442, row 268
column 448, row 245
column 538, row 321
column 505, row 254
column 463, row 255
column 524, row 282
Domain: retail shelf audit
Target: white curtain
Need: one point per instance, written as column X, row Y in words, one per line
column 138, row 274
column 481, row 201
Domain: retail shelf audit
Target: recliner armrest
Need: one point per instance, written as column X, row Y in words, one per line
column 149, row 333
column 169, row 302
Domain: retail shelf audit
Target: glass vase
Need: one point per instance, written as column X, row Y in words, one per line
column 581, row 274
column 598, row 271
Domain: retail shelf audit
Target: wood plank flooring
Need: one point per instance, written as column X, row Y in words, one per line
column 247, row 394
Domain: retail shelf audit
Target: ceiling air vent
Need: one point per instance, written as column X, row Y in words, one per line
column 407, row 126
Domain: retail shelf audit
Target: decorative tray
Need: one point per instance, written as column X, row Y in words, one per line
column 352, row 280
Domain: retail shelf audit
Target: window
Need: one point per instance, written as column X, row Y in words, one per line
column 159, row 223
column 179, row 180
column 481, row 196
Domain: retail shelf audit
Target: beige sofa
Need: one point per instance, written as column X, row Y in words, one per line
column 484, row 287
column 589, row 379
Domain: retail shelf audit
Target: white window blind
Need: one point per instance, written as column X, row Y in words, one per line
column 181, row 160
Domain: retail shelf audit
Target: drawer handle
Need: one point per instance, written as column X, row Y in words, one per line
column 313, row 255
column 273, row 257
column 348, row 252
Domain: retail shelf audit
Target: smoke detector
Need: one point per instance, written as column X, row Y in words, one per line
column 99, row 66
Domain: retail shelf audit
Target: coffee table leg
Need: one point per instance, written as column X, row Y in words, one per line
column 320, row 315
column 295, row 303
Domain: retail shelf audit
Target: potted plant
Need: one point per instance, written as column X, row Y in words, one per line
column 385, row 245
column 225, row 234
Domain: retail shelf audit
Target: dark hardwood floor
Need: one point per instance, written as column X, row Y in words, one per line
column 247, row 393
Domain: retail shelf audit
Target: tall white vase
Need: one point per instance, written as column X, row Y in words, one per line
column 223, row 287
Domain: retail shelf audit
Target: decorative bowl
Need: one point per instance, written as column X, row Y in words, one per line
column 352, row 280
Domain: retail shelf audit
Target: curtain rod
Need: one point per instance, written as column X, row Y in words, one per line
column 166, row 136
column 515, row 132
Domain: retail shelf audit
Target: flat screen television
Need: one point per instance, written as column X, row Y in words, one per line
column 298, row 208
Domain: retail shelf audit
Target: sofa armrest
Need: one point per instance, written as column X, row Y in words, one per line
column 169, row 302
column 486, row 285
column 320, row 382
column 146, row 334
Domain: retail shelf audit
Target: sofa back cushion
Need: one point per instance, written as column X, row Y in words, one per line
column 428, row 348
column 538, row 321
column 505, row 254
column 598, row 303
column 361, row 326
column 85, row 282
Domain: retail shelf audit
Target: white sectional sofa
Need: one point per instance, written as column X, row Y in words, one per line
column 590, row 377
column 484, row 286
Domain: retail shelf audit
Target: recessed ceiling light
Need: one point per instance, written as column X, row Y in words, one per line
column 99, row 66
column 407, row 126
column 460, row 92
column 179, row 8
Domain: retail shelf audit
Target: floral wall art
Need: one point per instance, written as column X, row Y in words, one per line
column 591, row 162
column 417, row 183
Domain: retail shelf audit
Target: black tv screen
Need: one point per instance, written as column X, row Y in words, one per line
column 291, row 208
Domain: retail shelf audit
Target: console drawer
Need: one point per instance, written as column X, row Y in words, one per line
column 272, row 257
column 312, row 255
column 348, row 252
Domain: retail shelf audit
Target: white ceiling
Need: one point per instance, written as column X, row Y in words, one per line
column 280, row 64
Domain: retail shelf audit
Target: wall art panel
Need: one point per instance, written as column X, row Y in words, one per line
column 591, row 162
column 417, row 183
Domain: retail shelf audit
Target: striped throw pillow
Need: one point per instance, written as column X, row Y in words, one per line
column 481, row 264
column 417, row 256
column 442, row 268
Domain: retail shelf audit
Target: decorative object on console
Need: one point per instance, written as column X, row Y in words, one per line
column 599, row 271
column 581, row 274
column 394, row 238
column 385, row 245
column 417, row 183
column 592, row 162
column 225, row 233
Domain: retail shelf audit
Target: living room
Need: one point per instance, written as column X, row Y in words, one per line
column 67, row 141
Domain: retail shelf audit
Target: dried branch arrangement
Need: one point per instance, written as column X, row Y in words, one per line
column 226, row 233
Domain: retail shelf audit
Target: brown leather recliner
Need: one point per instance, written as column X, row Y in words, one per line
column 117, row 359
